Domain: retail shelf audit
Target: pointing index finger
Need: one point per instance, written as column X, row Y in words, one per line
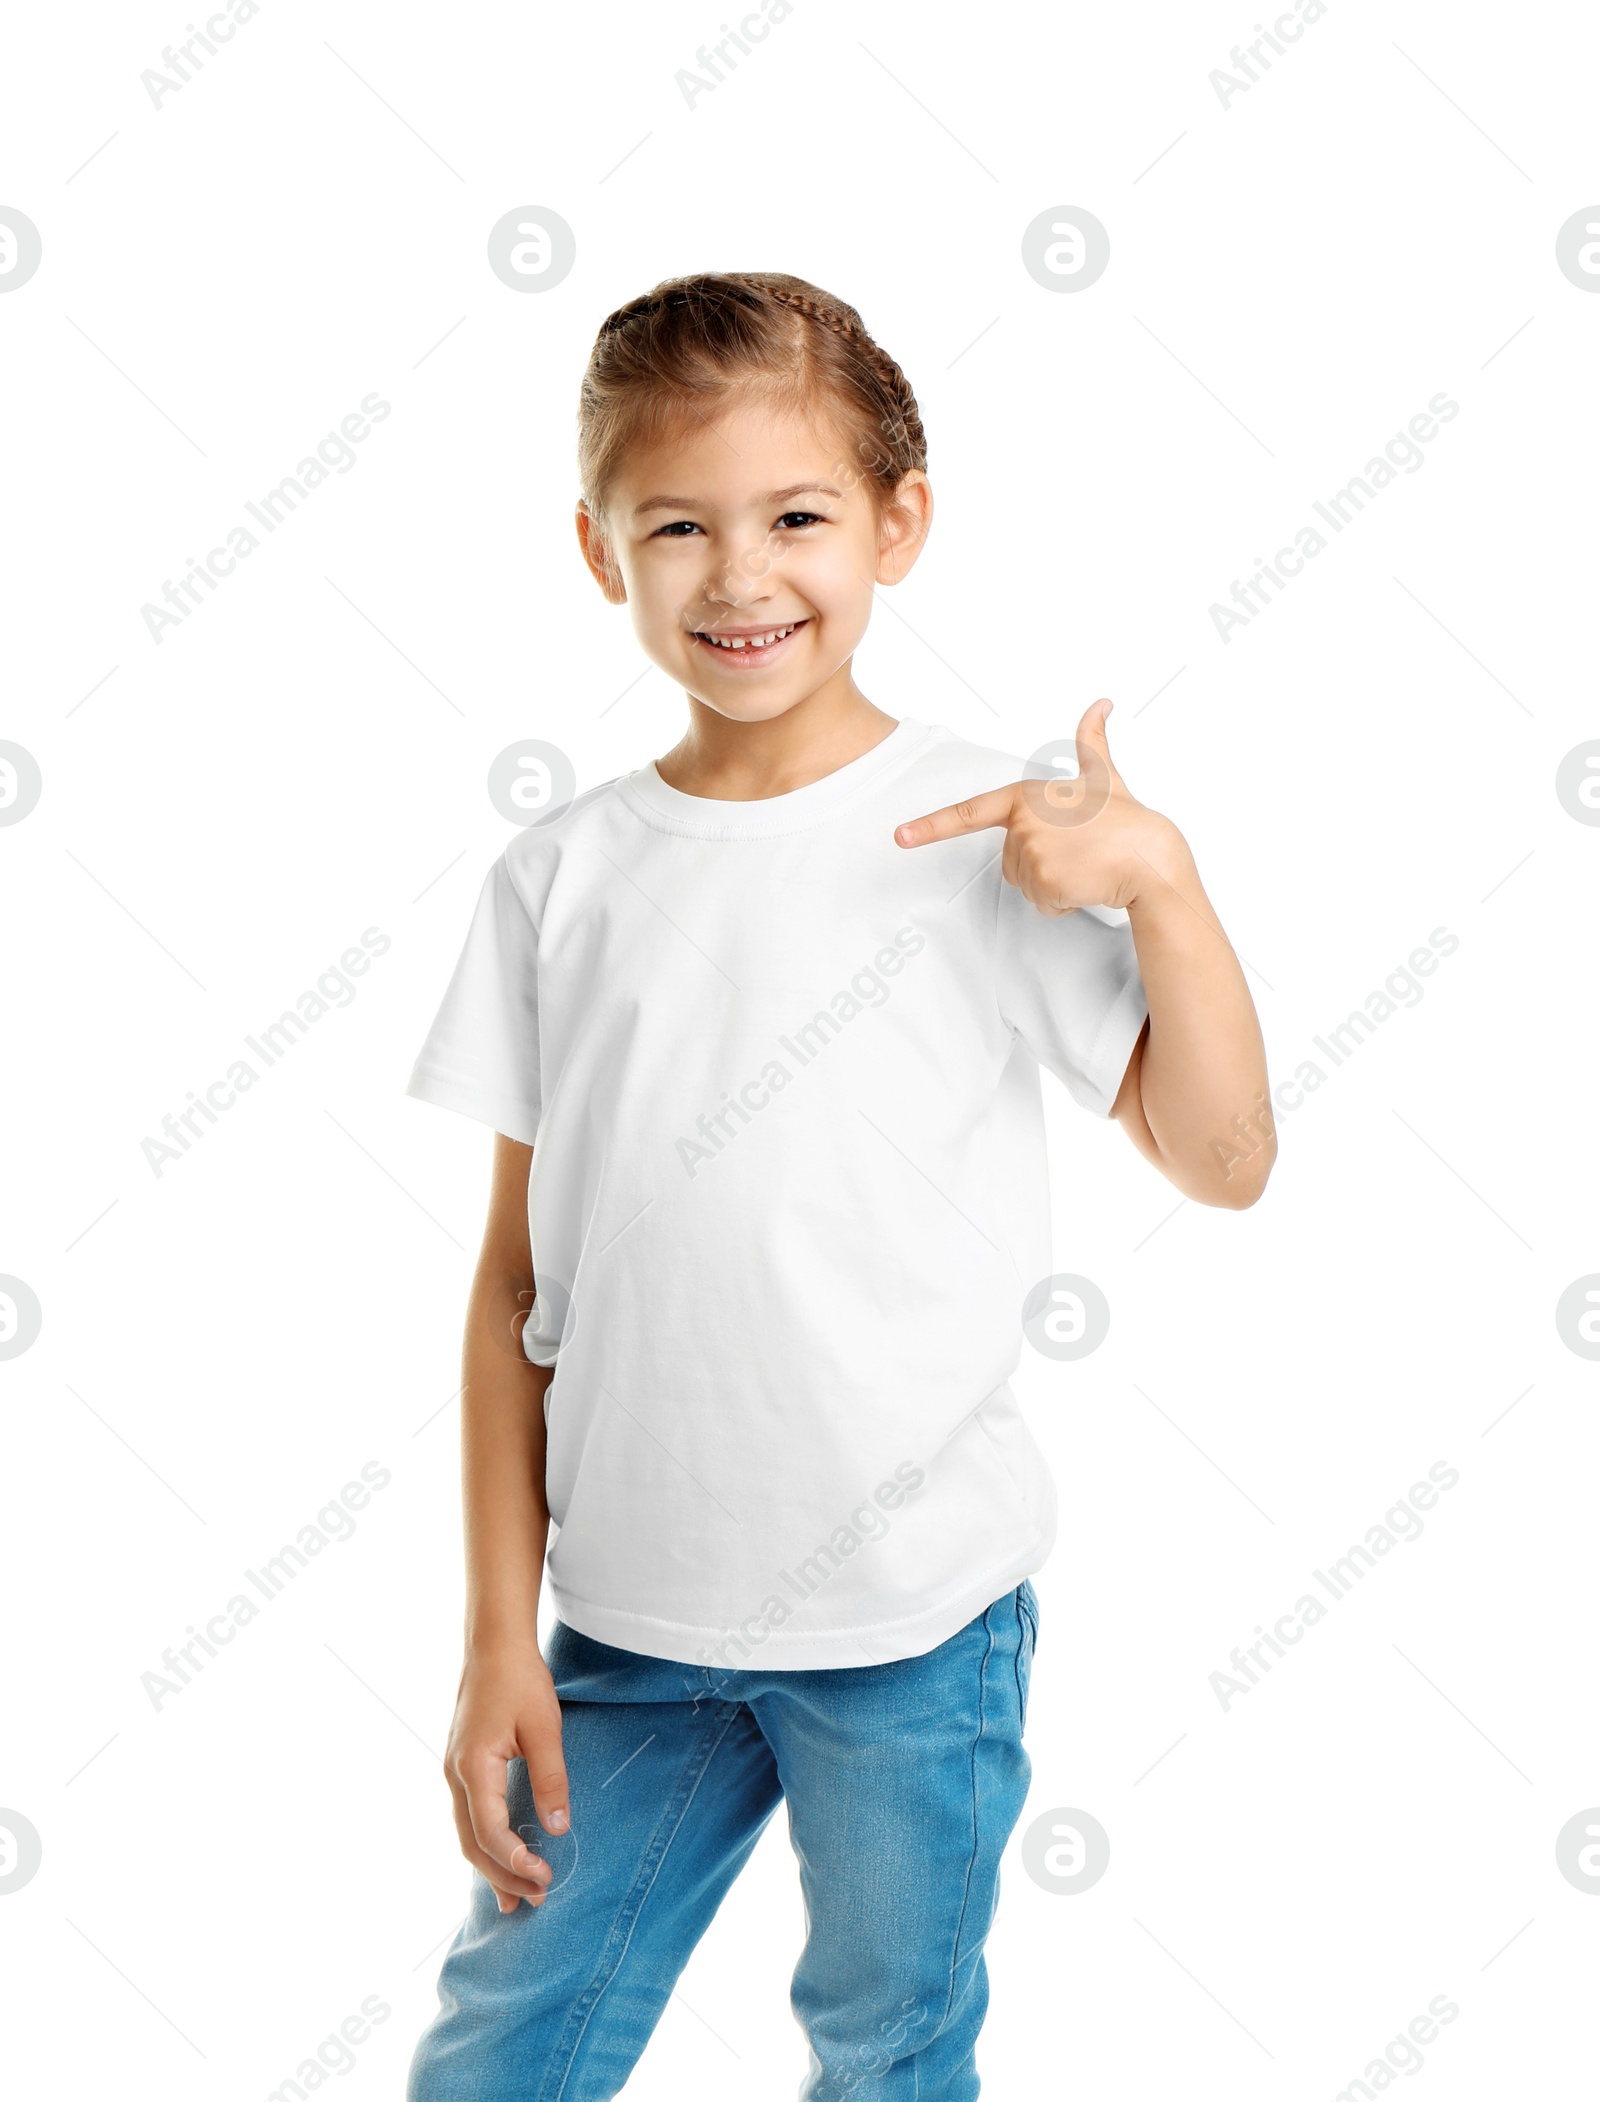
column 975, row 814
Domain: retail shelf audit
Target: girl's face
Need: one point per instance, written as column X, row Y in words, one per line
column 746, row 549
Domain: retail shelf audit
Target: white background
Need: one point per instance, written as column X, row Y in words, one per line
column 224, row 812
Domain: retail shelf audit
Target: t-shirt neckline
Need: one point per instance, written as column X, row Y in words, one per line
column 711, row 817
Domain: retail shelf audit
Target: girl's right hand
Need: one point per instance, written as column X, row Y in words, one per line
column 506, row 1708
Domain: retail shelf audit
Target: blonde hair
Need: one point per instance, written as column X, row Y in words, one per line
column 690, row 343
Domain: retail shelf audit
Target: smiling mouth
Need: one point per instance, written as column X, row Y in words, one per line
column 753, row 648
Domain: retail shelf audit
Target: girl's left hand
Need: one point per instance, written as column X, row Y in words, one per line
column 1069, row 842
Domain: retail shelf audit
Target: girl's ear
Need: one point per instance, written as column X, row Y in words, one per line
column 906, row 522
column 597, row 554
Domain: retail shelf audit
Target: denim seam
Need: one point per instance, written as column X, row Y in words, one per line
column 1024, row 1613
column 565, row 2055
column 972, row 1858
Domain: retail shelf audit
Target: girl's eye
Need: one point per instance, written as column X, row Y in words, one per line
column 680, row 528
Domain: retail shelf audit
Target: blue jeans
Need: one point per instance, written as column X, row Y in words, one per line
column 903, row 1781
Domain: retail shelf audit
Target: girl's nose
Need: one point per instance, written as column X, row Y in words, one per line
column 726, row 586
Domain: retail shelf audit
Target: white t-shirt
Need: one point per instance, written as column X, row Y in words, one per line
column 788, row 1195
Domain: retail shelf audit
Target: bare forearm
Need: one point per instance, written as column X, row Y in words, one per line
column 1203, row 1080
column 506, row 1706
column 506, row 1520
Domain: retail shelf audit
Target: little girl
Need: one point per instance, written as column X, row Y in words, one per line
column 759, row 1027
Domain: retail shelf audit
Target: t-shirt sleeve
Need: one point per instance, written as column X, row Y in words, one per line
column 1069, row 985
column 481, row 1056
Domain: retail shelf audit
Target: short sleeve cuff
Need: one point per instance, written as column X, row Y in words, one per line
column 517, row 1120
column 1113, row 1047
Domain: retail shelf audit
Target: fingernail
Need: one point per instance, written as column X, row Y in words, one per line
column 556, row 1821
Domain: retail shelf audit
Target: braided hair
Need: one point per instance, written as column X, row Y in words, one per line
column 688, row 343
